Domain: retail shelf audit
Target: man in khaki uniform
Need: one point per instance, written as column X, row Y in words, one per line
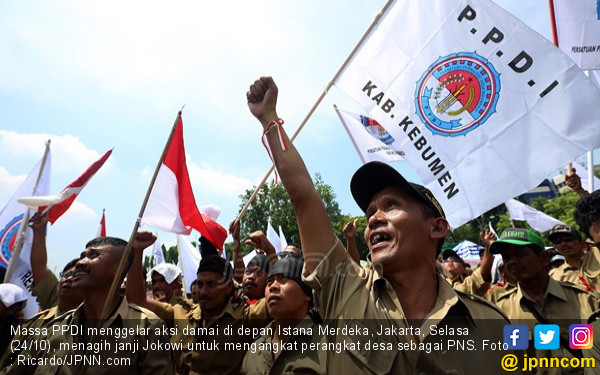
column 289, row 301
column 166, row 280
column 121, row 345
column 539, row 299
column 201, row 332
column 582, row 266
column 400, row 290
column 55, row 296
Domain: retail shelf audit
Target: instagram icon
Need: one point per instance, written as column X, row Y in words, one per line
column 581, row 336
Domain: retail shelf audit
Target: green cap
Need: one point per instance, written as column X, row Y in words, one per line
column 519, row 237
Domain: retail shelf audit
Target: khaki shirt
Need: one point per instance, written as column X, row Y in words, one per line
column 589, row 270
column 200, row 345
column 129, row 349
column 564, row 304
column 471, row 284
column 46, row 291
column 497, row 290
column 261, row 362
column 348, row 295
column 594, row 352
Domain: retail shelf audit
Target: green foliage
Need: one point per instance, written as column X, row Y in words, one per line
column 273, row 201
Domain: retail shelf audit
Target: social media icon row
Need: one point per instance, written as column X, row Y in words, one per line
column 547, row 336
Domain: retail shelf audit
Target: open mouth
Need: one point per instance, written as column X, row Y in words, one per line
column 273, row 299
column 378, row 238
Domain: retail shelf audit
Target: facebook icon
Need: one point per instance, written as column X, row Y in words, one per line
column 516, row 336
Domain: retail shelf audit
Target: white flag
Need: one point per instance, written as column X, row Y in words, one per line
column 11, row 219
column 537, row 219
column 273, row 237
column 157, row 253
column 578, row 29
column 371, row 141
column 282, row 239
column 474, row 98
column 190, row 260
column 248, row 257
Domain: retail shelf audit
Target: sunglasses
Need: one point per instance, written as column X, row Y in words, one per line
column 453, row 259
column 565, row 238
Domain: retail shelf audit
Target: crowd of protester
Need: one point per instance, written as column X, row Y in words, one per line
column 267, row 316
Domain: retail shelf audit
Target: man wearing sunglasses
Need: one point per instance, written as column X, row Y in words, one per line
column 580, row 267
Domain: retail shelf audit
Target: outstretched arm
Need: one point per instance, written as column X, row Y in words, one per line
column 316, row 234
column 487, row 238
column 261, row 242
column 574, row 182
column 238, row 260
column 39, row 254
column 136, row 293
column 350, row 232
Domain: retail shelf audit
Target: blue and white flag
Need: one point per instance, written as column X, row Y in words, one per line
column 483, row 107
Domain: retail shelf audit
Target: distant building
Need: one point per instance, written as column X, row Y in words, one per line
column 546, row 189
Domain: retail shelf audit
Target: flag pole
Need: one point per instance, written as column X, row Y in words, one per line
column 314, row 107
column 553, row 22
column 25, row 222
column 121, row 268
column 590, row 161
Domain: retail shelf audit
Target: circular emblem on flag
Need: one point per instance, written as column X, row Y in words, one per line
column 8, row 237
column 376, row 130
column 457, row 93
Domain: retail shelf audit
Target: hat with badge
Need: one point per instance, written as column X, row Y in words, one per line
column 519, row 237
column 563, row 231
column 375, row 176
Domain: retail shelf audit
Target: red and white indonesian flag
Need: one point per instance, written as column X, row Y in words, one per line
column 371, row 141
column 482, row 106
column 171, row 205
column 578, row 31
column 11, row 219
column 59, row 203
column 102, row 226
column 536, row 219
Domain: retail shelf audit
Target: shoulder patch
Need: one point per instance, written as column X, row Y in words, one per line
column 467, row 296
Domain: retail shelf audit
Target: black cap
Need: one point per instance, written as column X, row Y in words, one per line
column 375, row 176
column 261, row 261
column 216, row 264
column 561, row 229
column 292, row 268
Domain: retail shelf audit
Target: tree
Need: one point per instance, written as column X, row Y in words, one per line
column 273, row 201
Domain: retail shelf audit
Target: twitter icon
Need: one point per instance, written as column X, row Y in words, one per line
column 547, row 337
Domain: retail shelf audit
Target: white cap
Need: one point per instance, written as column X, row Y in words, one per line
column 169, row 271
column 11, row 294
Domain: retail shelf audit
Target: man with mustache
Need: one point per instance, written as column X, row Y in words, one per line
column 538, row 298
column 166, row 280
column 400, row 289
column 93, row 277
column 202, row 329
column 581, row 266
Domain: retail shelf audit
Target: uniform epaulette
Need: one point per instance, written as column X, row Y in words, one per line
column 506, row 294
column 579, row 288
column 481, row 300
